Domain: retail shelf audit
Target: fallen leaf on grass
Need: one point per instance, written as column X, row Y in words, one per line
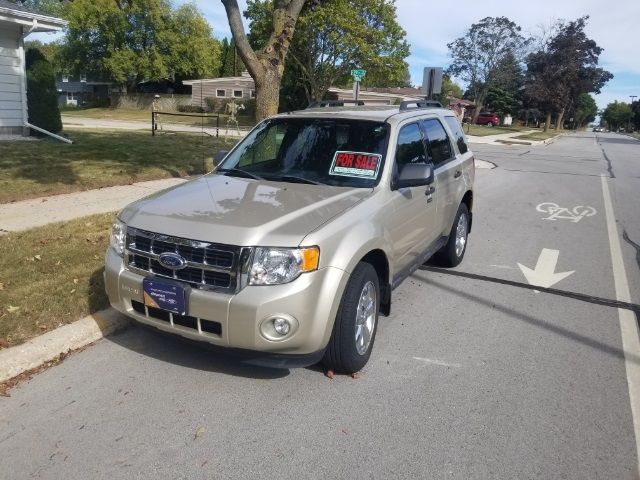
column 1, row 286
column 73, row 291
column 329, row 374
column 58, row 263
column 75, row 280
column 3, row 343
column 199, row 432
column 43, row 327
column 12, row 309
column 37, row 257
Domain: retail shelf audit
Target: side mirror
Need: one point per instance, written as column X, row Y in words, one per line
column 415, row 175
column 219, row 157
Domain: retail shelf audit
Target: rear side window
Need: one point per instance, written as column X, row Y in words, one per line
column 458, row 135
column 410, row 148
column 439, row 144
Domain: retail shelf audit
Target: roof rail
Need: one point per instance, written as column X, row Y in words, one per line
column 334, row 103
column 407, row 105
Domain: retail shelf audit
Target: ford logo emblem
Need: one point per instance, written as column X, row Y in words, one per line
column 172, row 261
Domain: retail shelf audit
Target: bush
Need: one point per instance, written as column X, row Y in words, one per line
column 190, row 109
column 42, row 95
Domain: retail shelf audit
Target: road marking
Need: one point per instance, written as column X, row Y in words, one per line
column 574, row 215
column 628, row 324
column 544, row 275
column 434, row 361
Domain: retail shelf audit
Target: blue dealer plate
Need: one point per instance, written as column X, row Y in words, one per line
column 166, row 295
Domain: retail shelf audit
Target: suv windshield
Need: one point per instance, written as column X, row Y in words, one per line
column 338, row 152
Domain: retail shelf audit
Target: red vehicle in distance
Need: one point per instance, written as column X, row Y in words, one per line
column 488, row 119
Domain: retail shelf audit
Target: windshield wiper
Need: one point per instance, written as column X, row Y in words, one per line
column 239, row 171
column 293, row 178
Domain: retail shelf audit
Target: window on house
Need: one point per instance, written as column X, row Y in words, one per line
column 83, row 77
column 253, row 94
column 72, row 96
column 237, row 93
column 220, row 93
column 65, row 78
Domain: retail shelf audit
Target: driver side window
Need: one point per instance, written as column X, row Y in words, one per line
column 265, row 148
column 410, row 148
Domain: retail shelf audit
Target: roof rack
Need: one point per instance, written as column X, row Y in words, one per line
column 334, row 103
column 407, row 105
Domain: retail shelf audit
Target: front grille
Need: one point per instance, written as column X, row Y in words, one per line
column 209, row 265
column 187, row 321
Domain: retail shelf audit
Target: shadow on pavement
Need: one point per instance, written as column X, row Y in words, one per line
column 536, row 322
column 179, row 351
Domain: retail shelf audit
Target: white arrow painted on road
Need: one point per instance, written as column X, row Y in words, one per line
column 544, row 275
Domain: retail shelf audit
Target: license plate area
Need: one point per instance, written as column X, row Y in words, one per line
column 165, row 294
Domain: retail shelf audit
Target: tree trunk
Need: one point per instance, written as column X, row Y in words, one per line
column 547, row 122
column 559, row 120
column 268, row 94
column 267, row 65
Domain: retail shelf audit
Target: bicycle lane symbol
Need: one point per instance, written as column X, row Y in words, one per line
column 556, row 212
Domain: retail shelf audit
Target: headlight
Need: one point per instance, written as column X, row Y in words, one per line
column 117, row 238
column 273, row 266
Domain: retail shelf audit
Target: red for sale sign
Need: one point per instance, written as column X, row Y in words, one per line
column 355, row 164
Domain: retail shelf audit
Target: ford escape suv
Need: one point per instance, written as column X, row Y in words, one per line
column 291, row 247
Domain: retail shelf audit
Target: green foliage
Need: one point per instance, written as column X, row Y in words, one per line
column 586, row 110
column 53, row 8
column 449, row 89
column 617, row 115
column 501, row 101
column 52, row 52
column 231, row 64
column 480, row 56
column 333, row 37
column 127, row 42
column 42, row 95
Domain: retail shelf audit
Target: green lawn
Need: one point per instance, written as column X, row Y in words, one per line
column 539, row 135
column 134, row 114
column 483, row 131
column 51, row 275
column 101, row 159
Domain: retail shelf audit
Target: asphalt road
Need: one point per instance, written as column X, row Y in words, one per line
column 469, row 378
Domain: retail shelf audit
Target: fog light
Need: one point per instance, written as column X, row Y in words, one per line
column 281, row 326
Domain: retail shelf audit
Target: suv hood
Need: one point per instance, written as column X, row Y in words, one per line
column 239, row 211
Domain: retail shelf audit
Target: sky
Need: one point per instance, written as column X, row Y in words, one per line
column 431, row 25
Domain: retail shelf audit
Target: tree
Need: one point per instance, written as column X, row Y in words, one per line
column 563, row 68
column 335, row 36
column 42, row 94
column 586, row 110
column 450, row 89
column 55, row 8
column 266, row 64
column 477, row 55
column 501, row 101
column 127, row 42
column 617, row 115
column 231, row 63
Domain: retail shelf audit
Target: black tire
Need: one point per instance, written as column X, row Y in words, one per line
column 448, row 256
column 342, row 354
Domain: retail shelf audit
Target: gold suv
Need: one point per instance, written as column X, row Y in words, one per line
column 291, row 248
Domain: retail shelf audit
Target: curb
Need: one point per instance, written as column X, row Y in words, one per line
column 39, row 350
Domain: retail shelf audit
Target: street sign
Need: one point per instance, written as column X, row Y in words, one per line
column 358, row 74
column 432, row 81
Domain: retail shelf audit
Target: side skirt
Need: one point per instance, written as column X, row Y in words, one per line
column 422, row 258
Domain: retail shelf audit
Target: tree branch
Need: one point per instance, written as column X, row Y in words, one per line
column 249, row 57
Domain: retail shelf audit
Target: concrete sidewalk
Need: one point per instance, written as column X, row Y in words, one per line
column 36, row 212
column 494, row 139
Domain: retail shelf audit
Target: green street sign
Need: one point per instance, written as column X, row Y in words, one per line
column 358, row 74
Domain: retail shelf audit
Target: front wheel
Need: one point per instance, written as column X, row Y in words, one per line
column 356, row 323
column 453, row 252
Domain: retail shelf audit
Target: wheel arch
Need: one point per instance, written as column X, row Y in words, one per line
column 377, row 258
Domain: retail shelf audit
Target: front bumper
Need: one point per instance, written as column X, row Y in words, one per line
column 312, row 300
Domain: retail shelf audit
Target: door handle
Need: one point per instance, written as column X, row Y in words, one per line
column 430, row 189
column 457, row 174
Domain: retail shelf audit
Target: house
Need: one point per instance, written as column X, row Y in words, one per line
column 74, row 91
column 222, row 89
column 16, row 22
column 377, row 96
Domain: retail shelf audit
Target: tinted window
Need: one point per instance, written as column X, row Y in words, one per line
column 439, row 145
column 458, row 135
column 308, row 148
column 410, row 148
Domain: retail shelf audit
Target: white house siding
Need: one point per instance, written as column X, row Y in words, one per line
column 10, row 77
column 211, row 86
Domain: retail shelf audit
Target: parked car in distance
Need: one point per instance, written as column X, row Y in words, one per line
column 489, row 119
column 290, row 249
